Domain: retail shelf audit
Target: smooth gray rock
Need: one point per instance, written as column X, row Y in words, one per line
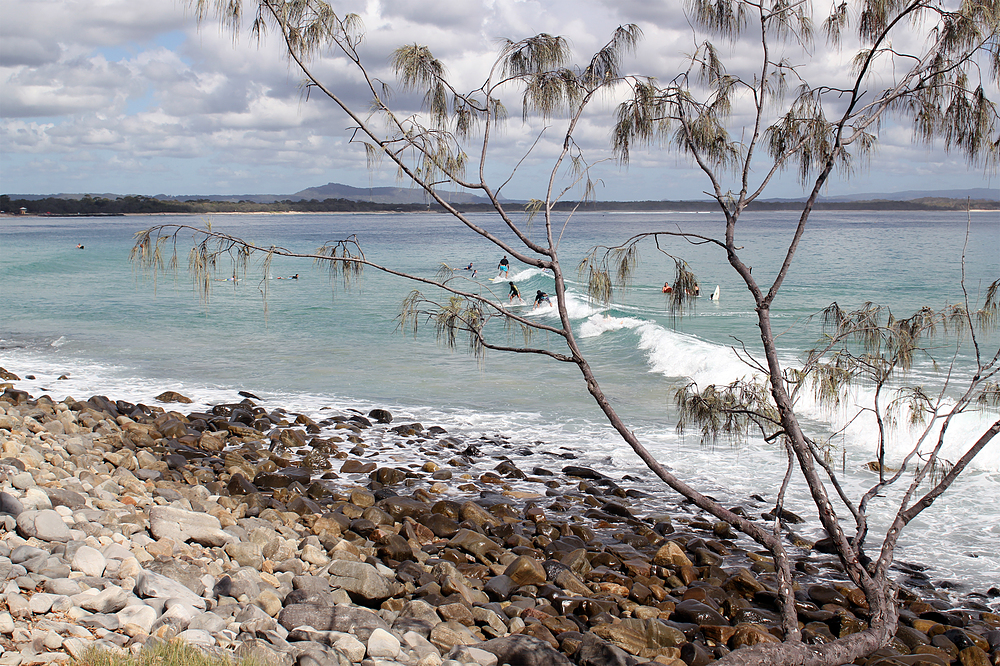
column 66, row 586
column 22, row 554
column 382, row 644
column 180, row 525
column 64, row 497
column 109, row 600
column 45, row 525
column 89, row 561
column 10, row 504
column 332, row 618
column 209, row 622
column 141, row 616
column 149, row 584
column 361, row 580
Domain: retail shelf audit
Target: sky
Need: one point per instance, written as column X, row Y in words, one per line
column 125, row 97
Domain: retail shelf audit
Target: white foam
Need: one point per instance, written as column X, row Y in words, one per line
column 676, row 354
column 603, row 323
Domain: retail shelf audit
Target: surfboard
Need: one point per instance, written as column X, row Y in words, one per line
column 499, row 278
column 715, row 294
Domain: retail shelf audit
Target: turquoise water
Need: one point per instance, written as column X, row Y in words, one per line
column 116, row 332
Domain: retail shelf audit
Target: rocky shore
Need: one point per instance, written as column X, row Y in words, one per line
column 360, row 540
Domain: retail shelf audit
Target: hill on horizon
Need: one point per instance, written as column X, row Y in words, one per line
column 404, row 195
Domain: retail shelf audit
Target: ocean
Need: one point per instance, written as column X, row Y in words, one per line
column 312, row 344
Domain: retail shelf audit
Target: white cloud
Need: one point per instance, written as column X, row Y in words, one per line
column 140, row 99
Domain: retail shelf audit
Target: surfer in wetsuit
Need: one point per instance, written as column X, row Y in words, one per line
column 514, row 293
column 503, row 266
column 541, row 297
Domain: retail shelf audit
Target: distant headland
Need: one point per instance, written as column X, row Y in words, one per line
column 334, row 197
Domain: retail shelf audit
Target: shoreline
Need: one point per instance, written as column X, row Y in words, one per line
column 563, row 561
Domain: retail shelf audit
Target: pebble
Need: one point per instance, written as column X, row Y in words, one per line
column 121, row 524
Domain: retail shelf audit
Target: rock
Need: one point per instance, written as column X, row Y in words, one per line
column 381, row 644
column 671, row 555
column 45, row 525
column 475, row 543
column 524, row 651
column 332, row 618
column 361, row 580
column 595, row 652
column 246, row 554
column 65, row 497
column 499, row 588
column 109, row 600
column 698, row 613
column 749, row 634
column 10, row 504
column 89, row 561
column 827, row 594
column 179, row 525
column 173, row 396
column 142, row 617
column 153, row 585
column 525, row 571
column 447, row 635
column 643, row 638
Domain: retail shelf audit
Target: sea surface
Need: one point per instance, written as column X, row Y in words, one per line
column 116, row 331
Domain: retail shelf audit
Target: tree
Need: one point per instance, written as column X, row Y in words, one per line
column 942, row 85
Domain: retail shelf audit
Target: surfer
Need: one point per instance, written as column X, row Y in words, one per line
column 79, row 246
column 514, row 293
column 290, row 277
column 503, row 266
column 541, row 297
column 469, row 267
column 667, row 288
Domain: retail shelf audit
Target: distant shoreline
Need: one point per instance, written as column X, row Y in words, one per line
column 133, row 205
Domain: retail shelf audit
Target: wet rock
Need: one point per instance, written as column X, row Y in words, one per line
column 173, row 396
column 525, row 571
column 698, row 613
column 595, row 652
column 640, row 637
column 524, row 651
column 477, row 544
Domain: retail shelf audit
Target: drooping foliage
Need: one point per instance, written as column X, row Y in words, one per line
column 943, row 85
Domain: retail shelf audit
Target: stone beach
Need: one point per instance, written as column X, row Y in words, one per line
column 357, row 539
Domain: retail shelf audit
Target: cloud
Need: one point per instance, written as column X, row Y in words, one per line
column 137, row 95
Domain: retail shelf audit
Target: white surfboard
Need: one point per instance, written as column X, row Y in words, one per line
column 715, row 294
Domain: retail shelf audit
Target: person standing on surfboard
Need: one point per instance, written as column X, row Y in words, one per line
column 541, row 297
column 503, row 266
column 514, row 293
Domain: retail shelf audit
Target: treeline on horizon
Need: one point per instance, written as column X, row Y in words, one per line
column 142, row 205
